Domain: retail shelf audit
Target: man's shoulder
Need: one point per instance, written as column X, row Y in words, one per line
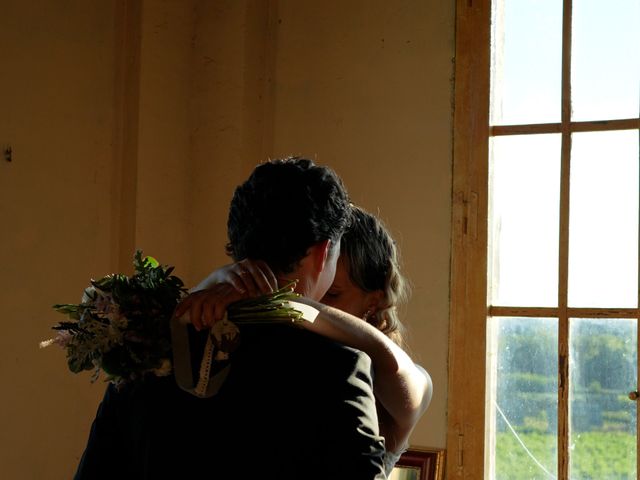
column 291, row 352
column 288, row 340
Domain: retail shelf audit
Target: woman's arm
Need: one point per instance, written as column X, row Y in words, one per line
column 253, row 277
column 208, row 301
column 403, row 388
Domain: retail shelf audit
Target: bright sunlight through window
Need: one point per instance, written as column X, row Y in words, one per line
column 562, row 359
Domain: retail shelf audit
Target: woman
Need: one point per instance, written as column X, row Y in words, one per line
column 367, row 286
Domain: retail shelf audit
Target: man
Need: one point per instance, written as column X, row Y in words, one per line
column 295, row 405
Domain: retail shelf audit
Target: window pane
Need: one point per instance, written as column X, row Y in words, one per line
column 526, row 64
column 603, row 226
column 605, row 59
column 526, row 404
column 603, row 370
column 523, row 221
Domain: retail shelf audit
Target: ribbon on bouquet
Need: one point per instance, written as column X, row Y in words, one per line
column 217, row 346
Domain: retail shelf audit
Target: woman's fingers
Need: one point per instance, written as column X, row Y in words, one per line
column 261, row 275
column 206, row 307
column 195, row 310
column 193, row 306
column 182, row 307
column 207, row 319
column 236, row 281
column 268, row 277
column 244, row 274
column 246, row 278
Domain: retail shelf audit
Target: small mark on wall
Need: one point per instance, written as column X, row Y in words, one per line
column 8, row 154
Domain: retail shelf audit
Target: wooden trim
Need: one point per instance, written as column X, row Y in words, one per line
column 590, row 126
column 603, row 312
column 605, row 125
column 563, row 260
column 468, row 306
column 546, row 312
column 536, row 128
column 550, row 312
column 469, row 415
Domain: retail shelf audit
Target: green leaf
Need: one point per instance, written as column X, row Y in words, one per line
column 151, row 262
column 72, row 310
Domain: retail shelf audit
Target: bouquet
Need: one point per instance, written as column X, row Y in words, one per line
column 123, row 325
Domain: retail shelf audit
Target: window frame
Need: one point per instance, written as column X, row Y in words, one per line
column 468, row 404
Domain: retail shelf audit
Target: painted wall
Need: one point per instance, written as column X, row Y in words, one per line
column 57, row 114
column 131, row 127
column 366, row 87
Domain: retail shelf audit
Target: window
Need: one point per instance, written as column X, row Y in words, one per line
column 544, row 304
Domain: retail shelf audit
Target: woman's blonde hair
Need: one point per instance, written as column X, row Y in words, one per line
column 373, row 262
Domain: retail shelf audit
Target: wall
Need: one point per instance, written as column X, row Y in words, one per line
column 163, row 147
column 366, row 87
column 363, row 86
column 227, row 118
column 131, row 124
column 56, row 79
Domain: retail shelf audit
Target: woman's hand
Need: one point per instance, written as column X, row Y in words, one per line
column 253, row 277
column 208, row 302
column 206, row 307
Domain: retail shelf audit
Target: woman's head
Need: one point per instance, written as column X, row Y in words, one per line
column 368, row 283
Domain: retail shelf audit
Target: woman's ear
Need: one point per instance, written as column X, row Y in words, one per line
column 374, row 301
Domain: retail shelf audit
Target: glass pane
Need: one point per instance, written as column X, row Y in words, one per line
column 603, row 369
column 526, row 406
column 523, row 221
column 526, row 63
column 605, row 59
column 603, row 225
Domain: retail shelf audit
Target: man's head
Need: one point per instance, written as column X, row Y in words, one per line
column 291, row 213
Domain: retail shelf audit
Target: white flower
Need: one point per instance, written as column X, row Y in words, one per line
column 100, row 300
column 61, row 339
column 89, row 294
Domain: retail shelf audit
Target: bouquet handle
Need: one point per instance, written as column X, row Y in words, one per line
column 182, row 361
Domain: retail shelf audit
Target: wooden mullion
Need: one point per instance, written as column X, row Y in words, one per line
column 535, row 128
column 563, row 261
column 612, row 313
column 541, row 312
column 606, row 125
column 563, row 315
column 571, row 312
column 541, row 128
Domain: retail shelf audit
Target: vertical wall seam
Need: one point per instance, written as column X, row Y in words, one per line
column 125, row 134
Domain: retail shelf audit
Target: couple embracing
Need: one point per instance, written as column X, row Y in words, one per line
column 336, row 399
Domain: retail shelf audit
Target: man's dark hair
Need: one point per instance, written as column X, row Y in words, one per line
column 285, row 207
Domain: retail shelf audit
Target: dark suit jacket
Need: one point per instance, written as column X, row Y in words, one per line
column 295, row 406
